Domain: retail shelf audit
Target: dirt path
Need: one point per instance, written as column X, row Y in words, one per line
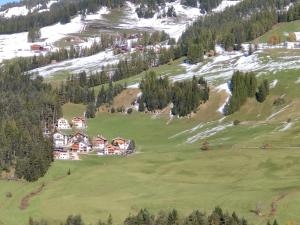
column 272, row 212
column 25, row 201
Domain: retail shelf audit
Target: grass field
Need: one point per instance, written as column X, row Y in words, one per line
column 281, row 29
column 167, row 172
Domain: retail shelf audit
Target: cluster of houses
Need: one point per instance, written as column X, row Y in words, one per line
column 68, row 145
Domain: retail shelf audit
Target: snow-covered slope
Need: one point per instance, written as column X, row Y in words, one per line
column 224, row 4
column 15, row 11
column 173, row 26
column 221, row 67
column 91, row 63
column 16, row 45
column 23, row 10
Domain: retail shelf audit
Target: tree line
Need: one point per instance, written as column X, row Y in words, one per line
column 158, row 93
column 234, row 26
column 27, row 105
column 79, row 88
column 138, row 62
column 243, row 86
column 217, row 217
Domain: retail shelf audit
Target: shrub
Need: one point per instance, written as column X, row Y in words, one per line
column 274, row 40
column 112, row 110
column 279, row 102
column 236, row 122
column 129, row 111
column 266, row 146
column 8, row 195
column 121, row 109
column 292, row 37
column 205, row 146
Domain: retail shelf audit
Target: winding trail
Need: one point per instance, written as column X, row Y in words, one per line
column 25, row 200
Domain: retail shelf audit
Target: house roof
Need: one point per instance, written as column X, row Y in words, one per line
column 111, row 147
column 79, row 133
column 60, row 132
column 119, row 138
column 62, row 119
column 75, row 146
column 100, row 137
column 78, row 119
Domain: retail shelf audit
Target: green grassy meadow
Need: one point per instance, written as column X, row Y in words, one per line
column 166, row 172
column 280, row 29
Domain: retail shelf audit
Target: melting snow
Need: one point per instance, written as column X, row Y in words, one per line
column 286, row 126
column 276, row 113
column 173, row 26
column 273, row 84
column 16, row 45
column 224, row 87
column 134, row 86
column 15, row 11
column 223, row 66
column 224, row 4
column 297, row 36
column 200, row 125
column 90, row 63
column 97, row 15
column 208, row 133
column 23, row 10
column 298, row 81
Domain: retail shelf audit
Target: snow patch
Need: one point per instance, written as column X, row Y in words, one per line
column 200, row 125
column 298, row 81
column 224, row 87
column 225, row 4
column 90, row 63
column 208, row 133
column 97, row 15
column 134, row 86
column 297, row 36
column 286, row 126
column 16, row 45
column 278, row 112
column 273, row 84
column 15, row 11
column 173, row 26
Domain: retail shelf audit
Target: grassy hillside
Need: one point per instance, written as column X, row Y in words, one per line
column 170, row 171
column 281, row 29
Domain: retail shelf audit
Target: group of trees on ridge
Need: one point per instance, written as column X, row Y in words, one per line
column 243, row 86
column 234, row 26
column 158, row 92
column 144, row 217
column 80, row 89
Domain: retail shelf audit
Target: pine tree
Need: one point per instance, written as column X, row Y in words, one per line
column 261, row 94
column 109, row 220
